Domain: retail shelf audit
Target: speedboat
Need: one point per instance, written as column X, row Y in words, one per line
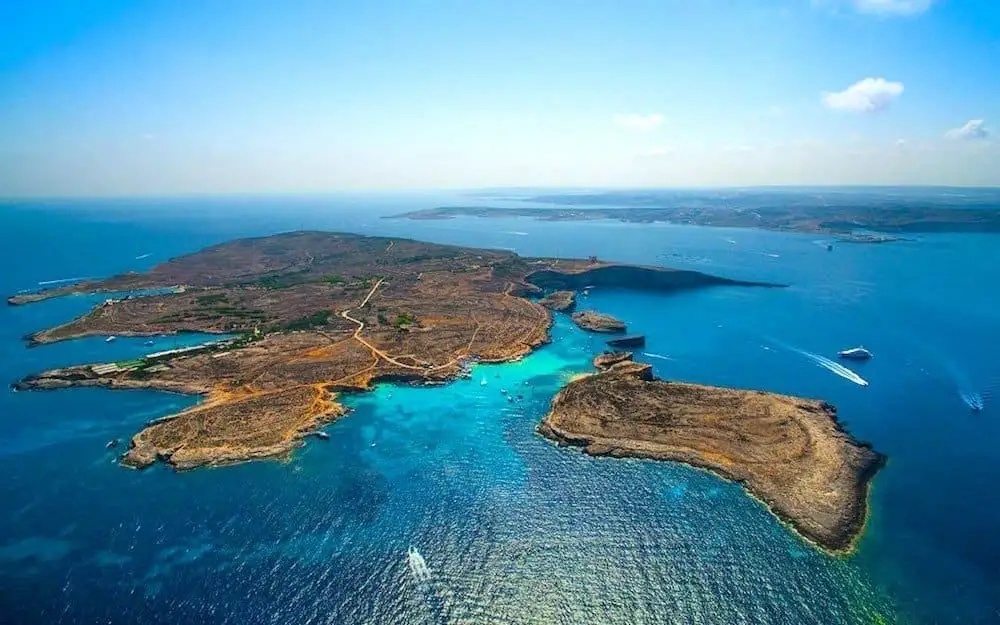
column 417, row 564
column 109, row 339
column 855, row 353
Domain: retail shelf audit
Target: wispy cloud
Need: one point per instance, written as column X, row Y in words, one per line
column 638, row 121
column 881, row 7
column 657, row 152
column 869, row 95
column 892, row 7
column 971, row 130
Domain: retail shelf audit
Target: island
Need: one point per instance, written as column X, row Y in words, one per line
column 308, row 316
column 560, row 301
column 788, row 452
column 594, row 321
column 606, row 360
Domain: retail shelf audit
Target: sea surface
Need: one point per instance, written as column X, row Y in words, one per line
column 513, row 528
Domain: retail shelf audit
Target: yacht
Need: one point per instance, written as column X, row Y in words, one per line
column 855, row 353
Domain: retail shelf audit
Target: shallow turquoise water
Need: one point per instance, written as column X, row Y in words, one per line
column 513, row 528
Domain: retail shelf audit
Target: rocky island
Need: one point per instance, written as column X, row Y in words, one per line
column 789, row 453
column 560, row 301
column 316, row 314
column 598, row 322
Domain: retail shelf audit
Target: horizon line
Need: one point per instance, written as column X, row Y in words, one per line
column 459, row 190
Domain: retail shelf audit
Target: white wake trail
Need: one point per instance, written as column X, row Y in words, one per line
column 60, row 281
column 829, row 365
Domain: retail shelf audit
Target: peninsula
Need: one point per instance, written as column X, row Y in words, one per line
column 790, row 453
column 316, row 314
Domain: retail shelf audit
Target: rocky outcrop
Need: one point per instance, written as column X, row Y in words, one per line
column 629, row 277
column 788, row 452
column 608, row 359
column 560, row 301
column 598, row 322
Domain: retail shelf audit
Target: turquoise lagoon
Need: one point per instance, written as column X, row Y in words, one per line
column 513, row 528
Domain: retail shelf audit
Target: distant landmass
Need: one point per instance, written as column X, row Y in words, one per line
column 835, row 212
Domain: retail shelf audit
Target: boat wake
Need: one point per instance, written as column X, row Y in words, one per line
column 972, row 399
column 660, row 356
column 61, row 281
column 520, row 234
column 963, row 385
column 829, row 365
column 140, row 257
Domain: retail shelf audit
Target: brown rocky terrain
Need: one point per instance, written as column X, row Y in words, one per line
column 606, row 360
column 560, row 301
column 598, row 322
column 317, row 314
column 790, row 453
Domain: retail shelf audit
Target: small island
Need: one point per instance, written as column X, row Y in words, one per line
column 788, row 452
column 311, row 315
column 606, row 360
column 559, row 301
column 598, row 322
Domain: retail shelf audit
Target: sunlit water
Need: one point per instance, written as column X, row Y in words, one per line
column 512, row 528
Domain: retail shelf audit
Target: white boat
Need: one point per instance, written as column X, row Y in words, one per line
column 418, row 566
column 482, row 382
column 855, row 353
column 109, row 339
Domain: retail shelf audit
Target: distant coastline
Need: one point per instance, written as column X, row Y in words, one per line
column 795, row 214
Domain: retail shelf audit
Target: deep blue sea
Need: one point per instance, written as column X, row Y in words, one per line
column 514, row 529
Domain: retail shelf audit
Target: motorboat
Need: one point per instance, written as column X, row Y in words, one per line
column 109, row 339
column 855, row 353
column 417, row 564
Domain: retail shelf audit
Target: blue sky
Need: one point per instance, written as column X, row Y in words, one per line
column 172, row 97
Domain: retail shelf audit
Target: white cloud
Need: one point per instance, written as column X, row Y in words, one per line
column 637, row 121
column 866, row 96
column 657, row 152
column 972, row 129
column 892, row 7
